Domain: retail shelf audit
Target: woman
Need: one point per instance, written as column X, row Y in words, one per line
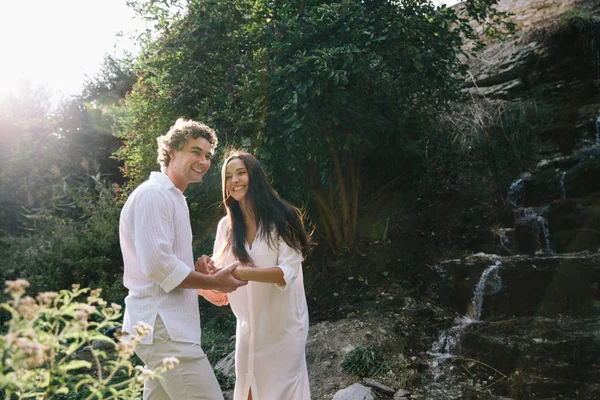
column 267, row 236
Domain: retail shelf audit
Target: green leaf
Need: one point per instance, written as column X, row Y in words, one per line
column 75, row 364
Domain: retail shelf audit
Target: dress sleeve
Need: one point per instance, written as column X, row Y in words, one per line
column 220, row 241
column 289, row 261
column 153, row 232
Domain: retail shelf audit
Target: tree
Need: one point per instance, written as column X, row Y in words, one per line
column 315, row 88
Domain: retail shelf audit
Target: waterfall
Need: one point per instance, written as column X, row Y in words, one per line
column 447, row 341
column 597, row 143
column 562, row 185
column 516, row 193
column 480, row 290
column 539, row 222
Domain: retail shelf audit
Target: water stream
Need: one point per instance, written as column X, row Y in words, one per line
column 446, row 346
column 539, row 222
column 597, row 143
column 446, row 343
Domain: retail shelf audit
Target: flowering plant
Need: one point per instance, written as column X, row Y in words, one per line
column 51, row 347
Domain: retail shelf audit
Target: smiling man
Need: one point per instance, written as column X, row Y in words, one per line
column 156, row 242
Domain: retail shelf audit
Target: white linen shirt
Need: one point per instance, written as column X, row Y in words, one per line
column 156, row 242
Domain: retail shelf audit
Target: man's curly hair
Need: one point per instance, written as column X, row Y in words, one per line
column 179, row 134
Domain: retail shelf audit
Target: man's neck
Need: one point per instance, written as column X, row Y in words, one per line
column 173, row 177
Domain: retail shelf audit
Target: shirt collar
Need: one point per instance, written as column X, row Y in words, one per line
column 162, row 179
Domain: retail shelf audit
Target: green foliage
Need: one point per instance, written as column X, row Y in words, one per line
column 227, row 382
column 216, row 337
column 60, row 212
column 64, row 251
column 313, row 88
column 364, row 361
column 42, row 349
column 114, row 81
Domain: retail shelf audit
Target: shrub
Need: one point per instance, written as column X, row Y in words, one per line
column 41, row 349
column 64, row 251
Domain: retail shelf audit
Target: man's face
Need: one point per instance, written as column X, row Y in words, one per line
column 190, row 164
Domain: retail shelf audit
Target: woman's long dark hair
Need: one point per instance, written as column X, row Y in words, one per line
column 271, row 212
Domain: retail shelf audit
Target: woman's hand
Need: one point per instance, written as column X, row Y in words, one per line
column 205, row 265
column 217, row 298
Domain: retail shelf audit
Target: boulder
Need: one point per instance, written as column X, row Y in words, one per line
column 354, row 392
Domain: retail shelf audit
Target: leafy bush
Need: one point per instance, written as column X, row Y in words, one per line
column 45, row 337
column 364, row 361
column 61, row 252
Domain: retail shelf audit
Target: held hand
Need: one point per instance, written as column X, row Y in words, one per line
column 241, row 272
column 217, row 298
column 205, row 265
column 225, row 281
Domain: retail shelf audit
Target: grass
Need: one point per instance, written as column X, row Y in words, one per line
column 365, row 361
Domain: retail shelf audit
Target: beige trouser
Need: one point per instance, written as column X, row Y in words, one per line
column 193, row 378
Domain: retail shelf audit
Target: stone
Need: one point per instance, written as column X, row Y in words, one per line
column 102, row 344
column 354, row 392
column 379, row 386
column 401, row 394
column 227, row 364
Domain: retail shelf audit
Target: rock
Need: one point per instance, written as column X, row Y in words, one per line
column 379, row 386
column 227, row 364
column 527, row 281
column 583, row 179
column 401, row 394
column 551, row 356
column 573, row 224
column 354, row 392
column 102, row 344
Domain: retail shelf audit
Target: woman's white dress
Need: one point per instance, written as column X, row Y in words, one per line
column 272, row 324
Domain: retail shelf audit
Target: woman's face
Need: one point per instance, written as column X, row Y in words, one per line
column 236, row 179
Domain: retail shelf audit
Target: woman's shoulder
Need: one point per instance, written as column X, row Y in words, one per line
column 223, row 223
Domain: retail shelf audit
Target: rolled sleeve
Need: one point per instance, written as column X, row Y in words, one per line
column 154, row 231
column 290, row 262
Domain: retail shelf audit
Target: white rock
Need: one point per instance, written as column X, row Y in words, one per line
column 354, row 392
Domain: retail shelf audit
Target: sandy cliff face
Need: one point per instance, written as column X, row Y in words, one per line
column 533, row 14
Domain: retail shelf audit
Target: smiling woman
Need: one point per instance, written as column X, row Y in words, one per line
column 59, row 43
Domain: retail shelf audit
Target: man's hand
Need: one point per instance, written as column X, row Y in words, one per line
column 205, row 265
column 224, row 280
column 217, row 298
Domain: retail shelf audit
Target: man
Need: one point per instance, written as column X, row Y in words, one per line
column 156, row 241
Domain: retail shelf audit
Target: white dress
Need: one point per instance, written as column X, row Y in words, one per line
column 272, row 324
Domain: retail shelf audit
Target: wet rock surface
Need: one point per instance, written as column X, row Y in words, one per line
column 527, row 285
column 542, row 357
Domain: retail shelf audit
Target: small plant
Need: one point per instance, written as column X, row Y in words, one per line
column 578, row 18
column 216, row 337
column 40, row 349
column 227, row 382
column 364, row 361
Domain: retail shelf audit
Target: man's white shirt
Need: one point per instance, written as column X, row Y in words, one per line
column 156, row 242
